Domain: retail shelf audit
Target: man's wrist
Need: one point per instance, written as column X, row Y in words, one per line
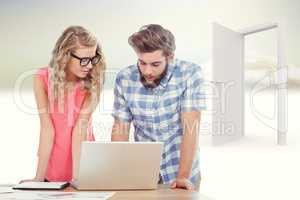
column 182, row 175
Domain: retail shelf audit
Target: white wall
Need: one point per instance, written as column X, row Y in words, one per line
column 30, row 28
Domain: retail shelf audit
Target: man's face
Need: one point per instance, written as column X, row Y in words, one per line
column 152, row 67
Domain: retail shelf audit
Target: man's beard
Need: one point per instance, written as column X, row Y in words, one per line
column 154, row 83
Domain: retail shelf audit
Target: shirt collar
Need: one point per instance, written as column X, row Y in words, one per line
column 165, row 80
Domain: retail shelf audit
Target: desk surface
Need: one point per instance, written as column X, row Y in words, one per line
column 163, row 192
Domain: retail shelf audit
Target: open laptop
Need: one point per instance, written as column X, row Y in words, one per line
column 119, row 165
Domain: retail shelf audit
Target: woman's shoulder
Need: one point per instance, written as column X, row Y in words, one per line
column 43, row 74
column 43, row 71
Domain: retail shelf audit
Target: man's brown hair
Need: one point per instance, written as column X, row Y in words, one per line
column 153, row 37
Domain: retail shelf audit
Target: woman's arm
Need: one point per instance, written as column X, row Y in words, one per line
column 80, row 130
column 46, row 130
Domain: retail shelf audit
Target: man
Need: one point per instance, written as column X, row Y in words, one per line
column 163, row 98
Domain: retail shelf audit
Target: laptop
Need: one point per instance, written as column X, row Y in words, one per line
column 119, row 166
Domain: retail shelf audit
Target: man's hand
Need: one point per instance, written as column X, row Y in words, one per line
column 183, row 183
column 120, row 131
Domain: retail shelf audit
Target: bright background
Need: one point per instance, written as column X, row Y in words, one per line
column 251, row 168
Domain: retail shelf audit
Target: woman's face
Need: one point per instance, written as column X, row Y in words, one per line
column 80, row 65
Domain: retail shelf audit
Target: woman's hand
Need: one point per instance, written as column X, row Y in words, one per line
column 32, row 180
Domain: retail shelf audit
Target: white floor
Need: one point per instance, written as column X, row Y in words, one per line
column 253, row 167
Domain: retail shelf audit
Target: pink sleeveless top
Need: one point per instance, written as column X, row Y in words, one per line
column 60, row 162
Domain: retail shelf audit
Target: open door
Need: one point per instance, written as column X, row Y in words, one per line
column 228, row 81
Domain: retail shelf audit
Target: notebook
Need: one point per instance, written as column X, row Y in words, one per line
column 41, row 186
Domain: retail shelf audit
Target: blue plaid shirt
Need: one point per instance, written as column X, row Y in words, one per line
column 155, row 113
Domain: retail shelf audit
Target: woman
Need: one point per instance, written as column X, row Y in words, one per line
column 67, row 93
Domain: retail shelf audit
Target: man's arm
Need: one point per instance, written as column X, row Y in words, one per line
column 188, row 147
column 121, row 113
column 192, row 102
column 120, row 131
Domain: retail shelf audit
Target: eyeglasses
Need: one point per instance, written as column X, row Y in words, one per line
column 86, row 60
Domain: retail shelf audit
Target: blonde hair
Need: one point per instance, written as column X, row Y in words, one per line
column 70, row 40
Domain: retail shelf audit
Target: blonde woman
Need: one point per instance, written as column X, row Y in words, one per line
column 67, row 93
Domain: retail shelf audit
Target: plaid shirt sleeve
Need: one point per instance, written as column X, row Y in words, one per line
column 193, row 98
column 120, row 108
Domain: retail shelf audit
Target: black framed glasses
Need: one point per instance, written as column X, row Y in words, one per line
column 86, row 60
